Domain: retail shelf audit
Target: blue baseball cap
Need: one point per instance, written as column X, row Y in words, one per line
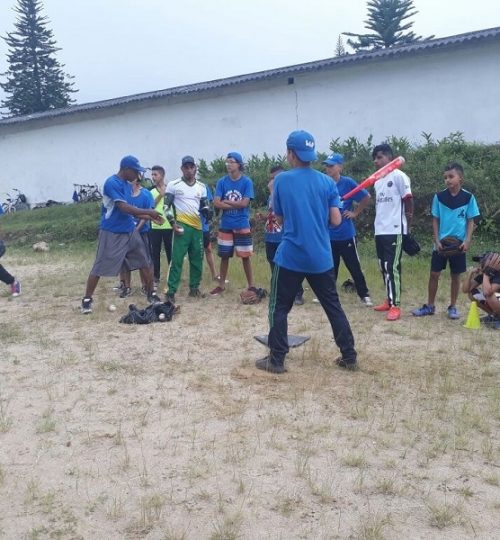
column 334, row 159
column 236, row 156
column 303, row 144
column 131, row 162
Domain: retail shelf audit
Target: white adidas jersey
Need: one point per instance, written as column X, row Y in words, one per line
column 389, row 194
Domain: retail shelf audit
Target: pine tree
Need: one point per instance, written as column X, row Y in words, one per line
column 35, row 79
column 340, row 47
column 386, row 20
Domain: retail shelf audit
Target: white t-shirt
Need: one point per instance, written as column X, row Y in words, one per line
column 187, row 201
column 389, row 194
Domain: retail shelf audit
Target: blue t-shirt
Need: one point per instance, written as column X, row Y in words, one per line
column 303, row 197
column 112, row 218
column 235, row 190
column 143, row 200
column 346, row 230
column 205, row 225
column 453, row 212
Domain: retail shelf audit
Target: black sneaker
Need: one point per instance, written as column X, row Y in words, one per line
column 119, row 287
column 126, row 291
column 196, row 293
column 154, row 298
column 299, row 300
column 86, row 305
column 347, row 363
column 170, row 297
column 267, row 365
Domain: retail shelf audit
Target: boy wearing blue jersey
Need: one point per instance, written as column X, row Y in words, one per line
column 343, row 236
column 233, row 194
column 453, row 212
column 305, row 201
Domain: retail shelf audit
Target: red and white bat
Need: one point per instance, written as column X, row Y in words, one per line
column 377, row 175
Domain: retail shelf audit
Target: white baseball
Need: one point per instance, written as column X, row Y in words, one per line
column 111, row 307
column 161, row 317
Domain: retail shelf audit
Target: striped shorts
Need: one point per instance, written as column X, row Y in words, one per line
column 239, row 240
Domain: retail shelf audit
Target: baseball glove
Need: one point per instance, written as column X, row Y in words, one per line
column 450, row 246
column 410, row 245
column 490, row 264
column 252, row 295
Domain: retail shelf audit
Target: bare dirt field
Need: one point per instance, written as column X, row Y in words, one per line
column 167, row 431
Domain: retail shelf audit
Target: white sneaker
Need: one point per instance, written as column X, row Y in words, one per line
column 315, row 301
column 367, row 301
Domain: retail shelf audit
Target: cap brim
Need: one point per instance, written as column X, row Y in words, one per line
column 306, row 155
column 139, row 169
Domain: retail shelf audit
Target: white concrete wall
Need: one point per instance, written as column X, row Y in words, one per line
column 440, row 92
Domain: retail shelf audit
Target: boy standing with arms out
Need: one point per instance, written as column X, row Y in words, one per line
column 343, row 237
column 304, row 201
column 189, row 197
column 453, row 213
column 120, row 244
column 233, row 194
column 159, row 234
column 393, row 215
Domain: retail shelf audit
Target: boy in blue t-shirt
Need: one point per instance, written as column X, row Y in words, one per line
column 453, row 212
column 305, row 201
column 233, row 194
column 343, row 236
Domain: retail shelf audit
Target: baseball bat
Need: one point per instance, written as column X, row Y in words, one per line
column 377, row 175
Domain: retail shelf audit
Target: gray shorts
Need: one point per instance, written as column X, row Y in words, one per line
column 117, row 251
column 147, row 245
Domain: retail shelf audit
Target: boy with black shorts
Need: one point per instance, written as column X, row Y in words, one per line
column 453, row 212
column 120, row 244
column 233, row 194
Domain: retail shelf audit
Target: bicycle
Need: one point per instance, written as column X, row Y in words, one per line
column 18, row 204
column 86, row 193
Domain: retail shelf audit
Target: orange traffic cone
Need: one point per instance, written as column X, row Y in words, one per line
column 472, row 321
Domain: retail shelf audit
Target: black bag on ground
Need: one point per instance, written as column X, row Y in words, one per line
column 149, row 314
column 410, row 245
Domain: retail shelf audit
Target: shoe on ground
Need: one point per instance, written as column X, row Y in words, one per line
column 424, row 311
column 170, row 297
column 15, row 289
column 86, row 305
column 489, row 320
column 267, row 365
column 315, row 301
column 393, row 314
column 119, row 287
column 367, row 301
column 196, row 293
column 153, row 298
column 299, row 300
column 218, row 290
column 144, row 291
column 126, row 291
column 453, row 313
column 385, row 306
column 347, row 363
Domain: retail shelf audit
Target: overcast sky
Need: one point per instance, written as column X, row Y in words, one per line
column 121, row 47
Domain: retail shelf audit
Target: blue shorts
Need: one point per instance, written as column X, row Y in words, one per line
column 458, row 263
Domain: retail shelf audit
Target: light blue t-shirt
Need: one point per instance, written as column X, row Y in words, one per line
column 145, row 200
column 235, row 190
column 303, row 197
column 205, row 225
column 453, row 212
column 112, row 218
column 346, row 230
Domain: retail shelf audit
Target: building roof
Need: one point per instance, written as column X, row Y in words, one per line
column 318, row 65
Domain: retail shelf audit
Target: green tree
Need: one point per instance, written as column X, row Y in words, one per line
column 35, row 80
column 388, row 25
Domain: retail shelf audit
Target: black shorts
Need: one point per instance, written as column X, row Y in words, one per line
column 458, row 263
column 206, row 239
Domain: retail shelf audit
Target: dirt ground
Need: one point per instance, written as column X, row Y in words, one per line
column 167, row 431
